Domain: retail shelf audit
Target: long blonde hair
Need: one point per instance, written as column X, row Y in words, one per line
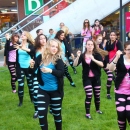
column 66, row 30
column 30, row 39
column 47, row 57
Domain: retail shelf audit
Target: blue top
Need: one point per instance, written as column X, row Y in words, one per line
column 23, row 58
column 63, row 50
column 51, row 36
column 50, row 81
column 38, row 53
column 58, row 29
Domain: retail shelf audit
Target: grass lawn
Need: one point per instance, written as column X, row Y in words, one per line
column 73, row 112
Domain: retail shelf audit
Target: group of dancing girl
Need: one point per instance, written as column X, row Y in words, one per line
column 44, row 62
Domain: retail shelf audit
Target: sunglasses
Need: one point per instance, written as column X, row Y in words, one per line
column 86, row 22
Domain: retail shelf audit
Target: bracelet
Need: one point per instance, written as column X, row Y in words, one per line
column 114, row 62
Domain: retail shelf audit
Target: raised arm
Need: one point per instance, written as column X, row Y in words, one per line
column 78, row 60
column 114, row 62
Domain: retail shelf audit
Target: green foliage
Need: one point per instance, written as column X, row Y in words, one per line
column 73, row 112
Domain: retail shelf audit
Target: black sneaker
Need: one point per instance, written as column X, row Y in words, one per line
column 72, row 84
column 35, row 115
column 108, row 97
column 20, row 104
column 75, row 72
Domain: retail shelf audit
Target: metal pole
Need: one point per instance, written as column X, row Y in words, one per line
column 121, row 20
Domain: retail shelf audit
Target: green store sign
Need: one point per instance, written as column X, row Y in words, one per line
column 32, row 5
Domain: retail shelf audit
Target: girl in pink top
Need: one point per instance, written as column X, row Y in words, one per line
column 97, row 28
column 10, row 57
column 86, row 32
column 122, row 85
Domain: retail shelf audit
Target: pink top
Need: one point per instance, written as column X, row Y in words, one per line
column 124, row 87
column 97, row 32
column 88, row 60
column 88, row 33
column 12, row 55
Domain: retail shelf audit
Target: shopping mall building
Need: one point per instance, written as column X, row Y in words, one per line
column 49, row 13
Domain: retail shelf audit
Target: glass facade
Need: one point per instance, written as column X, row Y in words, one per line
column 112, row 22
column 8, row 14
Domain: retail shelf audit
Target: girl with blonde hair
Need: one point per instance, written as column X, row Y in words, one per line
column 50, row 77
column 70, row 59
column 25, row 52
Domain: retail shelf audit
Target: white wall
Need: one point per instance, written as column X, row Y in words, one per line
column 74, row 15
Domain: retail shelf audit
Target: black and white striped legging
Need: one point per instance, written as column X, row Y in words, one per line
column 35, row 87
column 67, row 73
column 11, row 67
column 54, row 100
column 24, row 72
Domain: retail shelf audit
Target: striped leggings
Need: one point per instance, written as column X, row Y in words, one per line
column 11, row 67
column 67, row 73
column 109, row 80
column 35, row 87
column 91, row 84
column 54, row 100
column 123, row 109
column 71, row 63
column 24, row 72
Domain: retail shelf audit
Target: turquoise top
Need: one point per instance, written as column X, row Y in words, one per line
column 63, row 50
column 38, row 53
column 50, row 81
column 51, row 36
column 23, row 58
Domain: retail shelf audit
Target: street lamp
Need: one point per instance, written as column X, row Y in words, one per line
column 121, row 20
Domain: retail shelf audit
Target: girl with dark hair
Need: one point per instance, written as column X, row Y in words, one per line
column 25, row 52
column 40, row 43
column 97, row 27
column 50, row 77
column 10, row 57
column 122, row 85
column 66, row 52
column 112, row 46
column 105, row 38
column 86, row 32
column 91, row 63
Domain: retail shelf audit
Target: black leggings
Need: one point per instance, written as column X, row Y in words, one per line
column 109, row 80
column 11, row 67
column 24, row 72
column 123, row 109
column 54, row 100
column 71, row 63
column 67, row 73
column 92, row 84
column 35, row 87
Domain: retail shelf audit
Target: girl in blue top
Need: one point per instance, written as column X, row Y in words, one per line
column 50, row 77
column 25, row 51
column 40, row 43
column 66, row 48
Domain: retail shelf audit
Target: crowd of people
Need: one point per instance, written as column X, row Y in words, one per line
column 44, row 61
